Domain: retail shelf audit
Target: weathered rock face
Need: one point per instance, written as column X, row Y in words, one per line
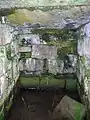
column 83, row 69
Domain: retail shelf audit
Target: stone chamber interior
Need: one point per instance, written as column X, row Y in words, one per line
column 44, row 59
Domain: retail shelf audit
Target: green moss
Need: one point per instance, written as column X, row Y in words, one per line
column 64, row 34
column 66, row 40
column 77, row 111
column 1, row 113
column 2, row 50
column 2, row 116
column 83, row 59
column 29, row 81
column 87, row 73
column 43, row 81
column 18, row 17
column 47, row 81
column 71, row 84
column 51, row 81
column 25, row 55
column 64, row 47
column 9, row 105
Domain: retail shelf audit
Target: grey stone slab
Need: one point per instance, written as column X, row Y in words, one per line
column 69, row 109
column 44, row 52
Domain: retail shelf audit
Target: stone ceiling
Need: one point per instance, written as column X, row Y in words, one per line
column 32, row 3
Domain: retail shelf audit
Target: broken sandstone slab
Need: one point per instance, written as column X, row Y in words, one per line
column 69, row 109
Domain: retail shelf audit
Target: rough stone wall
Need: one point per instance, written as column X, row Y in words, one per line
column 5, row 34
column 83, row 66
column 9, row 56
column 52, row 53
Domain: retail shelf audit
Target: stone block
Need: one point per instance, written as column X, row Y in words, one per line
column 69, row 109
column 33, row 65
column 29, row 39
column 14, row 48
column 25, row 49
column 5, row 64
column 5, row 34
column 15, row 68
column 52, row 66
column 60, row 66
column 21, row 65
column 44, row 52
column 3, row 85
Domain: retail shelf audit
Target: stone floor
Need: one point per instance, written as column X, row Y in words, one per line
column 36, row 105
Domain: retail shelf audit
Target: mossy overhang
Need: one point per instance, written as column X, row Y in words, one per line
column 54, row 18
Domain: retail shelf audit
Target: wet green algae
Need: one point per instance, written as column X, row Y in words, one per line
column 48, row 81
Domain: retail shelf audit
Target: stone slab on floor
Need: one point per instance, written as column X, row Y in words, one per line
column 69, row 109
